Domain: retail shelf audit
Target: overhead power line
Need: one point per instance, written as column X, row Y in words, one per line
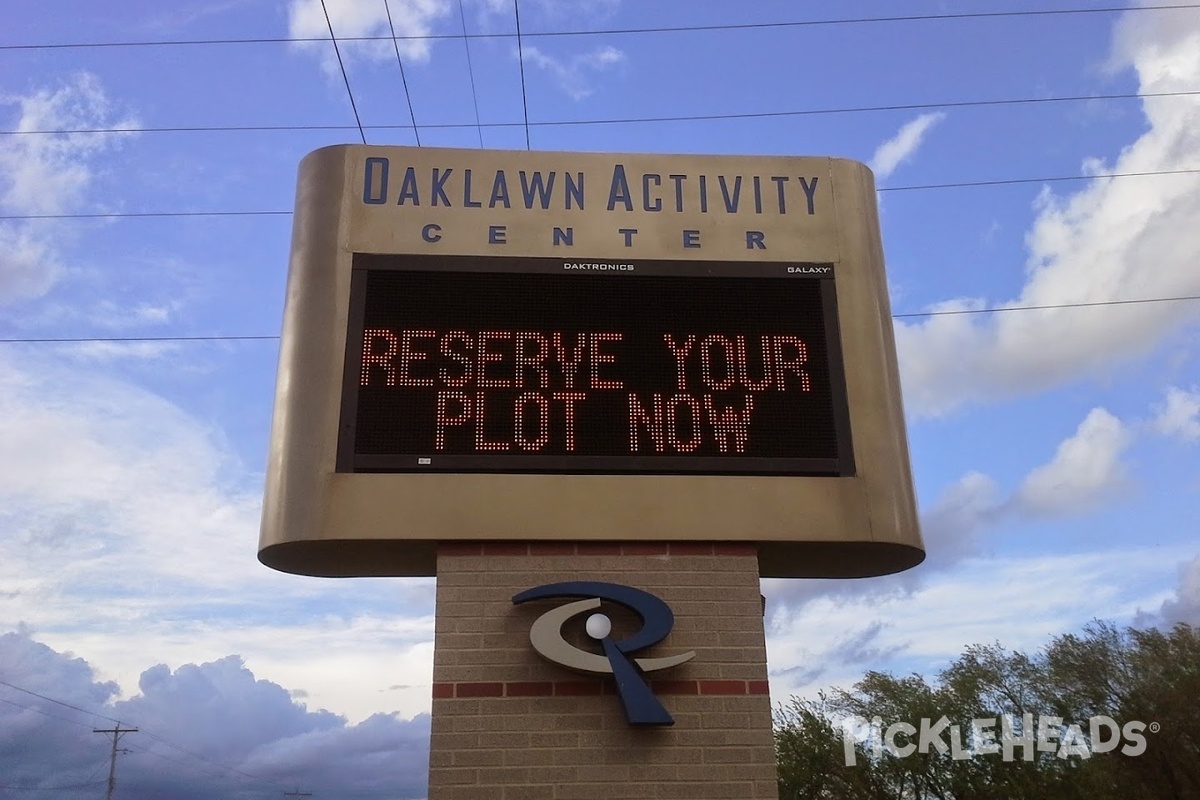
column 149, row 214
column 521, row 60
column 908, row 188
column 58, row 702
column 345, row 78
column 44, row 713
column 217, row 764
column 1051, row 179
column 141, row 339
column 627, row 31
column 70, row 787
column 909, row 315
column 408, row 97
column 1047, row 307
column 947, row 104
column 118, row 731
column 462, row 15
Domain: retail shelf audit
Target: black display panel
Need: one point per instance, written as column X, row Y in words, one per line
column 474, row 364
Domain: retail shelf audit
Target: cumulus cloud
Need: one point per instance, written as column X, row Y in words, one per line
column 904, row 145
column 573, row 75
column 1083, row 475
column 950, row 529
column 28, row 264
column 129, row 530
column 1179, row 415
column 857, row 647
column 204, row 730
column 1085, row 472
column 365, row 18
column 1019, row 601
column 49, row 174
column 1113, row 239
column 1185, row 605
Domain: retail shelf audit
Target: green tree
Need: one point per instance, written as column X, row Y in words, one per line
column 812, row 760
column 1137, row 676
column 1129, row 676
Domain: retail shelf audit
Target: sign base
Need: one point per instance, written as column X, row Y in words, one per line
column 508, row 723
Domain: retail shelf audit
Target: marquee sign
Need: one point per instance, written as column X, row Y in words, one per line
column 476, row 364
column 505, row 345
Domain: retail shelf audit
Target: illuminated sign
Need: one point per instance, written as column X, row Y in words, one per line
column 486, row 345
column 496, row 364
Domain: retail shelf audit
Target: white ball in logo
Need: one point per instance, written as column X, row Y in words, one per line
column 598, row 626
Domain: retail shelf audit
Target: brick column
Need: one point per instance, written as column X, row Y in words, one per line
column 508, row 725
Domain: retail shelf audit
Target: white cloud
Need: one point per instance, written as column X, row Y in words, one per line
column 49, row 174
column 353, row 18
column 1086, row 470
column 28, row 265
column 1084, row 474
column 100, row 352
column 1185, row 605
column 1179, row 416
column 112, row 315
column 950, row 530
column 1020, row 602
column 904, row 145
column 572, row 75
column 126, row 533
column 1113, row 239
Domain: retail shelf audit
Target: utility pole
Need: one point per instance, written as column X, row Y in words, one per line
column 116, row 732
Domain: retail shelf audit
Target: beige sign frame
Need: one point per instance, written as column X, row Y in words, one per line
column 581, row 206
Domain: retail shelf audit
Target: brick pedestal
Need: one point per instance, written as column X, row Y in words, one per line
column 509, row 725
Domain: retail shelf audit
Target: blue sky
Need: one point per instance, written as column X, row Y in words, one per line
column 1055, row 451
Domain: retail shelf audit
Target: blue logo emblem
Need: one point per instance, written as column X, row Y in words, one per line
column 641, row 706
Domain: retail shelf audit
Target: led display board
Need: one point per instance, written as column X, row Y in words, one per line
column 476, row 364
column 498, row 346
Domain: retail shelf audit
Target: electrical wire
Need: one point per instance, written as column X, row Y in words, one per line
column 521, row 60
column 1051, row 179
column 628, row 31
column 149, row 214
column 143, row 731
column 906, row 188
column 59, row 702
column 1047, row 307
column 948, row 104
column 75, row 786
column 46, row 713
column 908, row 315
column 143, row 339
column 462, row 15
column 217, row 764
column 337, row 51
column 404, row 80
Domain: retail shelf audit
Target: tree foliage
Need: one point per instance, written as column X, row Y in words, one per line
column 847, row 744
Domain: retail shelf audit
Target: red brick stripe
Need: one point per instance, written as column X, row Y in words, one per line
column 523, row 689
column 588, row 688
column 476, row 548
column 675, row 687
column 479, row 690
